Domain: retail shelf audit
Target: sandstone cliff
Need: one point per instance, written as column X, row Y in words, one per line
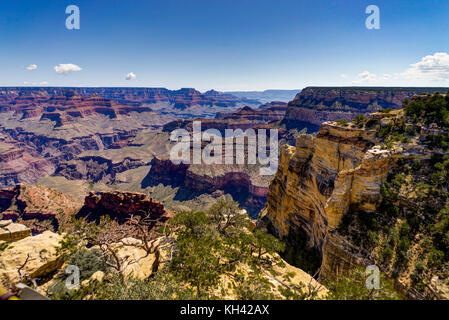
column 338, row 175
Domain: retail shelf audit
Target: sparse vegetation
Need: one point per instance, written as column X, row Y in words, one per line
column 352, row 286
column 342, row 122
column 360, row 120
column 209, row 247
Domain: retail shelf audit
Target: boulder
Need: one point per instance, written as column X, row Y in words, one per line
column 137, row 263
column 35, row 256
column 10, row 231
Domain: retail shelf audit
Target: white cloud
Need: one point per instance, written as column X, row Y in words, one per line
column 66, row 68
column 31, row 67
column 44, row 83
column 344, row 76
column 130, row 76
column 368, row 77
column 432, row 67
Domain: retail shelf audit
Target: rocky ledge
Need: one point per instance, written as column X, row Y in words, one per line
column 122, row 205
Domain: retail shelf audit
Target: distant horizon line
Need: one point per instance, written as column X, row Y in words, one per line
column 221, row 91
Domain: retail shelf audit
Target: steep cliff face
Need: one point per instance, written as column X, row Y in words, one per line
column 313, row 186
column 315, row 105
column 338, row 175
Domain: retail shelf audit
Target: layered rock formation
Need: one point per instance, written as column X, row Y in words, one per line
column 68, row 126
column 182, row 101
column 241, row 181
column 45, row 130
column 38, row 207
column 336, row 173
column 315, row 105
column 10, row 231
column 67, row 106
column 243, row 119
column 97, row 169
column 122, row 205
column 266, row 113
column 20, row 163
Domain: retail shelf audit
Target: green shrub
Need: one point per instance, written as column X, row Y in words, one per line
column 360, row 120
column 342, row 122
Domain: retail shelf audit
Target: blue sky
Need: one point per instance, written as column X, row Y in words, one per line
column 226, row 44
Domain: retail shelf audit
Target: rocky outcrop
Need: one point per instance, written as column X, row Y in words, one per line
column 122, row 205
column 315, row 105
column 38, row 207
column 138, row 263
column 30, row 258
column 10, row 231
column 321, row 179
column 166, row 172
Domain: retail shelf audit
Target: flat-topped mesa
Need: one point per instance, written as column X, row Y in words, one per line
column 265, row 114
column 315, row 105
column 122, row 205
column 243, row 119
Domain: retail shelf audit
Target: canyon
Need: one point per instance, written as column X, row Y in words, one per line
column 97, row 152
column 106, row 138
